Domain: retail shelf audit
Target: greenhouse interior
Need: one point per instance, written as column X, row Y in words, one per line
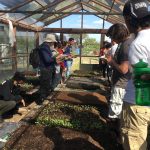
column 74, row 113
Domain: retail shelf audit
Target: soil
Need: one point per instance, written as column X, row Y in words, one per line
column 30, row 137
column 43, row 137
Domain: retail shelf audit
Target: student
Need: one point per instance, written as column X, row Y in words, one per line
column 136, row 119
column 47, row 66
column 9, row 96
column 61, row 48
column 68, row 51
column 121, row 74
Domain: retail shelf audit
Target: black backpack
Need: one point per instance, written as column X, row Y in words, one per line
column 34, row 58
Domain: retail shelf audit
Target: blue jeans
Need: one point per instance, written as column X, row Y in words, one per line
column 68, row 66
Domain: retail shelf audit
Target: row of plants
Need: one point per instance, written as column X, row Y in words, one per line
column 80, row 117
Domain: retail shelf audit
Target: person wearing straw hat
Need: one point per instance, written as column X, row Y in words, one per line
column 47, row 66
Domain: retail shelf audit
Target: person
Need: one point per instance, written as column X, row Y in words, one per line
column 47, row 66
column 105, row 67
column 135, row 119
column 9, row 94
column 68, row 51
column 121, row 74
column 61, row 48
column 57, row 76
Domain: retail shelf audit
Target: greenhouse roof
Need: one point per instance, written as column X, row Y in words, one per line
column 37, row 14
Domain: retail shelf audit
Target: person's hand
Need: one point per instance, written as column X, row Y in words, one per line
column 23, row 102
column 69, row 56
column 109, row 58
column 58, row 57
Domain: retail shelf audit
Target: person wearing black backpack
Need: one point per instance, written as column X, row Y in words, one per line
column 47, row 66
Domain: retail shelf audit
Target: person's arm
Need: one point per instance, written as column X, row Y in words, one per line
column 47, row 57
column 122, row 68
column 122, row 54
column 6, row 88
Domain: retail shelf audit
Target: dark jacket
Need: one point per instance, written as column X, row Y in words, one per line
column 6, row 91
column 46, row 59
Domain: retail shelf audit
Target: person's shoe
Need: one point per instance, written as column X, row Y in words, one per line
column 1, row 119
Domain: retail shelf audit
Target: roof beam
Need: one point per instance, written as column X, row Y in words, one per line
column 74, row 30
column 18, row 6
column 96, row 9
column 119, row 2
column 76, row 13
column 20, row 25
column 115, row 20
column 60, row 17
column 103, row 5
column 41, row 9
column 60, row 10
column 111, row 8
column 39, row 3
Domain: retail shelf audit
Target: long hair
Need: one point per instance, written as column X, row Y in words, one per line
column 118, row 32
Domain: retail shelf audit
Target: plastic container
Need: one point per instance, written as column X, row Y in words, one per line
column 142, row 87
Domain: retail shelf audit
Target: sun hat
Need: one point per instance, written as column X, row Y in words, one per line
column 140, row 8
column 50, row 38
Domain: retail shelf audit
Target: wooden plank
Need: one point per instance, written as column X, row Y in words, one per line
column 74, row 30
column 14, row 53
column 36, row 39
column 21, row 25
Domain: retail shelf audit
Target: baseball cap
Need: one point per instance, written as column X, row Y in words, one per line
column 140, row 8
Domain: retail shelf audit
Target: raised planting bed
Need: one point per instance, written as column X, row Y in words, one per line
column 83, row 83
column 81, row 117
column 82, row 97
column 80, row 73
column 63, row 126
column 46, row 138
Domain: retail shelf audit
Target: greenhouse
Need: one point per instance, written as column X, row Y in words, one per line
column 64, row 103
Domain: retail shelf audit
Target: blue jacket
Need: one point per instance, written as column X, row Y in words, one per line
column 68, row 50
column 45, row 54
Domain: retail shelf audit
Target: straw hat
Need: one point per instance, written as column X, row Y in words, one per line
column 50, row 38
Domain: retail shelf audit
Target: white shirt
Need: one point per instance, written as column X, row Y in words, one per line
column 113, row 49
column 139, row 49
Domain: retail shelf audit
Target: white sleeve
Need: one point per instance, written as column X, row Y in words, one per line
column 137, row 52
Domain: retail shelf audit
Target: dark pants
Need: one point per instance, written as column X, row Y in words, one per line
column 6, row 106
column 46, row 81
column 56, row 80
column 103, row 67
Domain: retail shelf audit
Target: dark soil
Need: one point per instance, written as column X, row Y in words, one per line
column 46, row 138
column 52, row 137
column 48, row 135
